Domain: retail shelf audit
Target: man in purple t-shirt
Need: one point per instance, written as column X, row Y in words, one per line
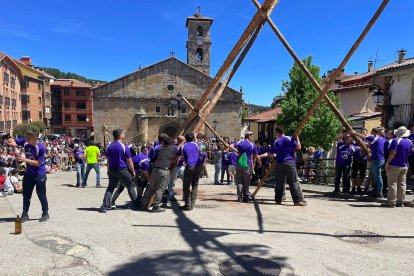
column 397, row 167
column 244, row 176
column 191, row 155
column 344, row 152
column 285, row 170
column 35, row 174
column 376, row 145
column 79, row 164
column 120, row 168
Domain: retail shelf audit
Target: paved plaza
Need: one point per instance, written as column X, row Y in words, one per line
column 217, row 236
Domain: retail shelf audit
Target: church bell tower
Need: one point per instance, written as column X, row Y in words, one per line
column 199, row 41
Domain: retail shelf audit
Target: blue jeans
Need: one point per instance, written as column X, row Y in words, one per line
column 217, row 172
column 97, row 169
column 80, row 173
column 376, row 170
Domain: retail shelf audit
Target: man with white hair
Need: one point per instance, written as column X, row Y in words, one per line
column 397, row 167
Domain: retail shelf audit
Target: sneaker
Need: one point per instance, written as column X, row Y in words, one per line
column 157, row 210
column 359, row 190
column 239, row 199
column 388, row 205
column 99, row 186
column 353, row 191
column 113, row 206
column 77, row 186
column 336, row 192
column 83, row 186
column 278, row 203
column 300, row 203
column 103, row 210
column 399, row 204
column 24, row 217
column 45, row 217
column 185, row 208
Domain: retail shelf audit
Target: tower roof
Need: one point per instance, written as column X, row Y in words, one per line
column 198, row 17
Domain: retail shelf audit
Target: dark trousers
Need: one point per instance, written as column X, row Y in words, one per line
column 225, row 169
column 286, row 172
column 342, row 171
column 191, row 179
column 157, row 185
column 29, row 182
column 116, row 175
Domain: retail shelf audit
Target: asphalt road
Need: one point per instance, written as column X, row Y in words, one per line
column 312, row 240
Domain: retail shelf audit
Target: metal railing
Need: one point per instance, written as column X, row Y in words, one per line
column 398, row 115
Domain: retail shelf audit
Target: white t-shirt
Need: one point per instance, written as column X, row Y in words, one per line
column 9, row 183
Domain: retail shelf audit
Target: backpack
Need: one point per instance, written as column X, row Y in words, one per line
column 242, row 162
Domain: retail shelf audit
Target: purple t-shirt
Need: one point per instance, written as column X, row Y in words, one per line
column 344, row 153
column 377, row 147
column 245, row 146
column 201, row 159
column 284, row 148
column 37, row 152
column 403, row 149
column 141, row 162
column 78, row 154
column 190, row 152
column 225, row 158
column 411, row 137
column 117, row 154
column 233, row 158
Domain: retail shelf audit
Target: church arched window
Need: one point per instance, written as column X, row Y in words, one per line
column 199, row 31
column 199, row 55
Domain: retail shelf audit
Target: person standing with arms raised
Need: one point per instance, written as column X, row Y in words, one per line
column 35, row 174
column 120, row 168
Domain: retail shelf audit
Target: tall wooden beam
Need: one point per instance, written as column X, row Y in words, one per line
column 261, row 14
column 314, row 82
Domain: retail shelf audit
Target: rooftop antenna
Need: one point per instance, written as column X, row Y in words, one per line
column 198, row 12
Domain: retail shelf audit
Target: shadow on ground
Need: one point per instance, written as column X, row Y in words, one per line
column 204, row 257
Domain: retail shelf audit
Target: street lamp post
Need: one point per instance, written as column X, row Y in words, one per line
column 378, row 97
column 215, row 127
column 104, row 131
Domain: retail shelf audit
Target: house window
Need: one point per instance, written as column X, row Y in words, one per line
column 67, row 118
column 39, row 86
column 66, row 105
column 8, row 125
column 66, row 92
column 25, row 99
column 81, row 118
column 6, row 77
column 81, row 106
column 39, row 99
column 1, row 125
column 157, row 109
column 199, row 55
column 13, row 83
column 80, row 93
column 199, row 31
column 40, row 115
column 26, row 114
column 47, row 109
column 7, row 103
column 47, row 95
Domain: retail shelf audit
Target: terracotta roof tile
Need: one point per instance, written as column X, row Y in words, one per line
column 70, row 83
column 266, row 116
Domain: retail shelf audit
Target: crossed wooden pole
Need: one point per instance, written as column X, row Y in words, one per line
column 244, row 43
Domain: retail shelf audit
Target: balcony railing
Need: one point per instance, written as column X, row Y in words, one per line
column 398, row 115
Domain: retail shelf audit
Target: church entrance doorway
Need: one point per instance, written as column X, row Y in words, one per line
column 170, row 131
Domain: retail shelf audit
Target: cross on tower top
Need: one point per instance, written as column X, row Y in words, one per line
column 172, row 53
column 198, row 12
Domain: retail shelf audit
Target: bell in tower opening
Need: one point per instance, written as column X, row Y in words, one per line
column 199, row 42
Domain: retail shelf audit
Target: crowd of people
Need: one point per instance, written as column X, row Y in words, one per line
column 391, row 158
column 149, row 171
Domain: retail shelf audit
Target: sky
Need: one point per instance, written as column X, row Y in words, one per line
column 108, row 39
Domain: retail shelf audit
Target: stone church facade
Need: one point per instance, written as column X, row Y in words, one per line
column 141, row 101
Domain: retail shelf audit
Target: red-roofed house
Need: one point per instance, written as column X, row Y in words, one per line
column 263, row 124
column 72, row 108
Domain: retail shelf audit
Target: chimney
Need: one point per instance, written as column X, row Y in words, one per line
column 26, row 60
column 370, row 64
column 401, row 56
column 71, row 83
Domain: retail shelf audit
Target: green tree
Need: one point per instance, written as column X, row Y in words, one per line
column 20, row 130
column 322, row 128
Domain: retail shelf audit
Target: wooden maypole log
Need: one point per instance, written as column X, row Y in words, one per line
column 322, row 92
column 261, row 14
